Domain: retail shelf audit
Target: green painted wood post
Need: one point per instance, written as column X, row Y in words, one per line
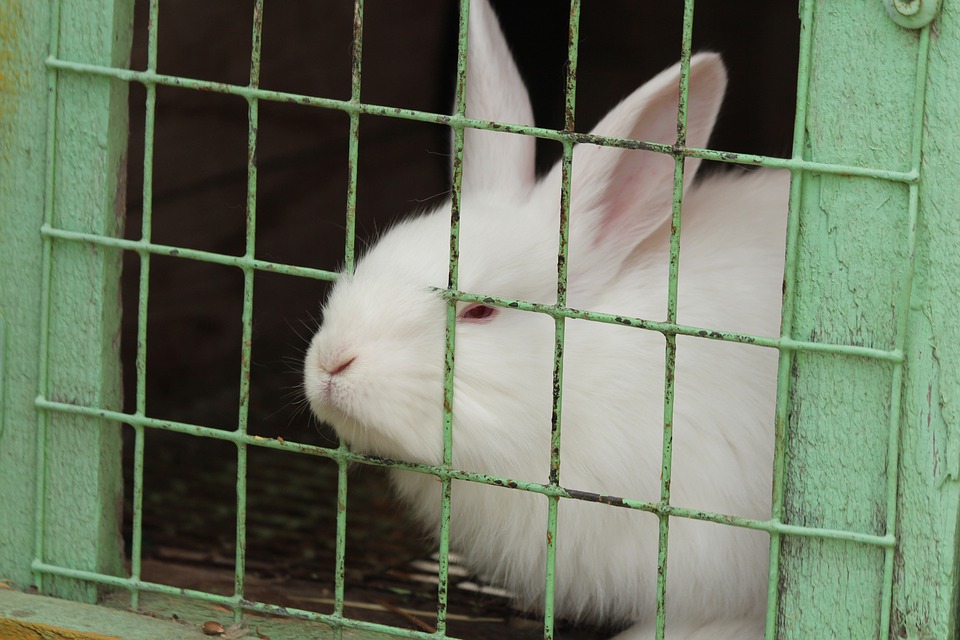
column 74, row 180
column 927, row 589
column 855, row 285
column 23, row 32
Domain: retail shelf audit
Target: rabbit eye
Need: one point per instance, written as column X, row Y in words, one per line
column 477, row 312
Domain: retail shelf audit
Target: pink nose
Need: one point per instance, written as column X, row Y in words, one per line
column 340, row 367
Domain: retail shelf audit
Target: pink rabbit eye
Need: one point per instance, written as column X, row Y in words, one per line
column 477, row 313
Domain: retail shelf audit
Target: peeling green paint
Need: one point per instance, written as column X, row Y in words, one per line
column 72, row 356
column 11, row 48
column 872, row 271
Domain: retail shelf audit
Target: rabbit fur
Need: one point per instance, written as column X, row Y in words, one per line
column 374, row 369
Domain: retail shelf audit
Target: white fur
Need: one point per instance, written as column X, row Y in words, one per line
column 374, row 369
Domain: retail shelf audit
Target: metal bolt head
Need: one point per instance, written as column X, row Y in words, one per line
column 912, row 14
column 907, row 7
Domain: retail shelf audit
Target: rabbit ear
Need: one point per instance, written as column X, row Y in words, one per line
column 494, row 161
column 621, row 196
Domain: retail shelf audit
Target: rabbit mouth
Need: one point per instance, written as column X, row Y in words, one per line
column 333, row 399
column 326, row 394
column 327, row 410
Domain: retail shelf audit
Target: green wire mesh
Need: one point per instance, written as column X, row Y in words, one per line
column 553, row 490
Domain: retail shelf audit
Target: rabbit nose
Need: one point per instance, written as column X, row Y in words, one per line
column 340, row 365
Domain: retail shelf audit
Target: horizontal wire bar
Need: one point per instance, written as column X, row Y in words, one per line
column 893, row 355
column 238, row 437
column 150, row 78
column 909, row 177
column 191, row 254
column 228, row 601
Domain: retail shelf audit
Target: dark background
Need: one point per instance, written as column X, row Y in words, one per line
column 199, row 200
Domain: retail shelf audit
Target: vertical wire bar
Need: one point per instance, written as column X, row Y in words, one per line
column 253, row 109
column 786, row 327
column 45, row 293
column 340, row 560
column 553, row 502
column 354, row 143
column 893, row 442
column 146, row 226
column 443, row 552
column 339, row 575
column 670, row 356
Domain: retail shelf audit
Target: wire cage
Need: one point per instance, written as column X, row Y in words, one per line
column 863, row 523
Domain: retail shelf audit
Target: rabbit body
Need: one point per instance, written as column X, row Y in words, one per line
column 374, row 369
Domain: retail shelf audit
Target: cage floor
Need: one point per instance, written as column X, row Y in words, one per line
column 189, row 541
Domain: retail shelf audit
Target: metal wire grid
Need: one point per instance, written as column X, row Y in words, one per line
column 553, row 490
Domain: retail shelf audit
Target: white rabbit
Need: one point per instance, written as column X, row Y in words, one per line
column 374, row 369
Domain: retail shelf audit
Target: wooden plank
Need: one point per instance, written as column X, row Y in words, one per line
column 34, row 617
column 24, row 29
column 853, row 260
column 927, row 587
column 83, row 491
column 83, row 480
column 19, row 630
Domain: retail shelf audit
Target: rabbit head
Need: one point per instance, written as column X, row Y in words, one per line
column 374, row 369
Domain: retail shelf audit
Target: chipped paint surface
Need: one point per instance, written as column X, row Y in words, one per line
column 21, row 630
column 873, row 270
column 22, row 139
column 12, row 24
